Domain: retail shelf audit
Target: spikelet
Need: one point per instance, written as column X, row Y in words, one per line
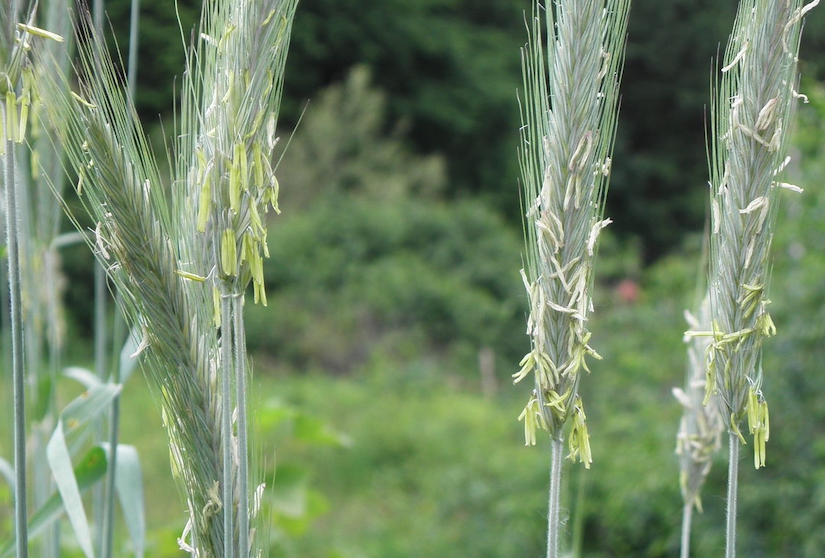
column 752, row 109
column 568, row 125
column 182, row 259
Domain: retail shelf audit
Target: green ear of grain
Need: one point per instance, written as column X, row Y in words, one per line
column 753, row 106
column 752, row 110
column 168, row 260
column 572, row 67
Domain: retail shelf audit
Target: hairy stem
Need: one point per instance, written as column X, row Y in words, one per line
column 18, row 370
column 226, row 422
column 687, row 520
column 243, row 439
column 556, row 463
column 733, row 484
column 133, row 48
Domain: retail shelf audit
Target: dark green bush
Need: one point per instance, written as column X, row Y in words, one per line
column 351, row 276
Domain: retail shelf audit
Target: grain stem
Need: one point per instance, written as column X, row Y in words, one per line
column 18, row 363
column 553, row 523
column 569, row 114
column 733, row 486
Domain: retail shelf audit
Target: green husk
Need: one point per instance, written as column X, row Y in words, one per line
column 569, row 115
column 168, row 253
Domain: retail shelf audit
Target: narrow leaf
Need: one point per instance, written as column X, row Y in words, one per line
column 83, row 375
column 60, row 462
column 89, row 471
column 88, row 405
column 7, row 471
column 129, row 486
column 129, row 356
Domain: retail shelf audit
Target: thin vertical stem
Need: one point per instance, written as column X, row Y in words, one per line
column 97, row 15
column 687, row 519
column 556, row 462
column 99, row 492
column 243, row 439
column 733, row 484
column 100, row 321
column 108, row 527
column 18, row 371
column 133, row 48
column 226, row 421
column 99, row 496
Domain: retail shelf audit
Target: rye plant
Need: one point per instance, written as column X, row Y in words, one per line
column 56, row 465
column 572, row 67
column 700, row 430
column 15, row 101
column 751, row 113
column 37, row 223
column 182, row 254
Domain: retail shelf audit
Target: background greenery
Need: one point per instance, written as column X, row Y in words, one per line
column 394, row 268
column 450, row 70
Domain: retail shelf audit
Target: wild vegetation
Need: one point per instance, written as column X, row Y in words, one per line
column 381, row 416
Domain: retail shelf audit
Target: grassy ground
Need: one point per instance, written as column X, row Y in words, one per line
column 417, row 462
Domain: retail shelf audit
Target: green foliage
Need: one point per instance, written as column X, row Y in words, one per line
column 89, row 471
column 366, row 260
column 450, row 73
column 447, row 65
column 354, row 277
column 446, row 476
column 341, row 147
column 658, row 189
column 161, row 42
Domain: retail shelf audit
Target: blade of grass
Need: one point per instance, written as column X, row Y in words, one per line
column 130, row 494
column 60, row 462
column 87, row 473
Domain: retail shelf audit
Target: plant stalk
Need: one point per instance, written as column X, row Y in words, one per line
column 226, row 422
column 733, row 485
column 114, row 413
column 243, row 438
column 687, row 520
column 556, row 463
column 97, row 14
column 99, row 495
column 18, row 369
column 108, row 527
column 133, row 48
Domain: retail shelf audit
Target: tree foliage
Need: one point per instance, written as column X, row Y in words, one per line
column 450, row 71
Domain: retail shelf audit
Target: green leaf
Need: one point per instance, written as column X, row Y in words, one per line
column 79, row 411
column 83, row 375
column 129, row 487
column 7, row 471
column 60, row 462
column 89, row 471
column 128, row 362
column 315, row 431
column 88, row 405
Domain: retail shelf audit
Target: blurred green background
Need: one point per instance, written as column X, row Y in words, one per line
column 396, row 312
